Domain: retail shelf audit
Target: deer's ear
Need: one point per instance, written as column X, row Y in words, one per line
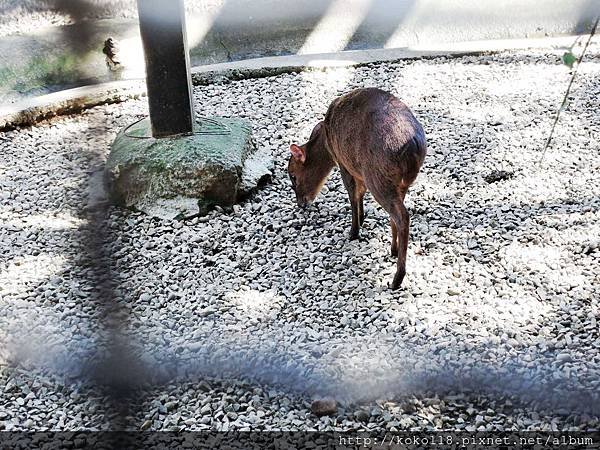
column 298, row 153
column 317, row 127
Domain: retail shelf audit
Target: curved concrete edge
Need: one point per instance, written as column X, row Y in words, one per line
column 34, row 110
column 269, row 66
column 71, row 101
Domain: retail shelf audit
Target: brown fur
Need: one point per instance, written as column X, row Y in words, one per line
column 378, row 145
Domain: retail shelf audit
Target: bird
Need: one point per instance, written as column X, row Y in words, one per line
column 111, row 50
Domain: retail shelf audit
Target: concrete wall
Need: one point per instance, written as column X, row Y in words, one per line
column 270, row 27
column 226, row 30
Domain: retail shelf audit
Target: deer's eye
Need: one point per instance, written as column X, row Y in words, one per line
column 293, row 180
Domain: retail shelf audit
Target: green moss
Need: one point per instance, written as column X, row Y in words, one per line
column 222, row 142
column 41, row 72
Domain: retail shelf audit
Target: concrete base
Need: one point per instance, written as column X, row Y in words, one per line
column 185, row 176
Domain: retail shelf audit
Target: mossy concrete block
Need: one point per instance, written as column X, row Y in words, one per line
column 185, row 176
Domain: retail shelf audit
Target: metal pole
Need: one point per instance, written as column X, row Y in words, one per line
column 162, row 27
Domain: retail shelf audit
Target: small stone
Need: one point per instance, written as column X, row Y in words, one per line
column 196, row 346
column 204, row 386
column 497, row 175
column 324, row 407
column 564, row 357
column 171, row 405
column 361, row 416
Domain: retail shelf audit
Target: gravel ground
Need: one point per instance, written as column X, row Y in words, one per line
column 240, row 319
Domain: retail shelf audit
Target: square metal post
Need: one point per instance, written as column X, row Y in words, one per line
column 162, row 28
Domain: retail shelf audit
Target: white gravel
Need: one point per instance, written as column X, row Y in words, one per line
column 251, row 314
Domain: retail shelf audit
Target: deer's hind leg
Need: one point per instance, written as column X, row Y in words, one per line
column 393, row 202
column 394, row 250
column 400, row 217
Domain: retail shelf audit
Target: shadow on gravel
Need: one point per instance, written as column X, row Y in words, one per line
column 86, row 349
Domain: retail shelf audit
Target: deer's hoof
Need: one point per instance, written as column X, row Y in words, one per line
column 398, row 278
column 362, row 218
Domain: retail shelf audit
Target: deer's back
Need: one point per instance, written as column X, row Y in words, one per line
column 373, row 134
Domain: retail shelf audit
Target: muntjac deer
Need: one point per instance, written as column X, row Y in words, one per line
column 379, row 146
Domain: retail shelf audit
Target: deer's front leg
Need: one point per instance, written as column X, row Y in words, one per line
column 356, row 191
